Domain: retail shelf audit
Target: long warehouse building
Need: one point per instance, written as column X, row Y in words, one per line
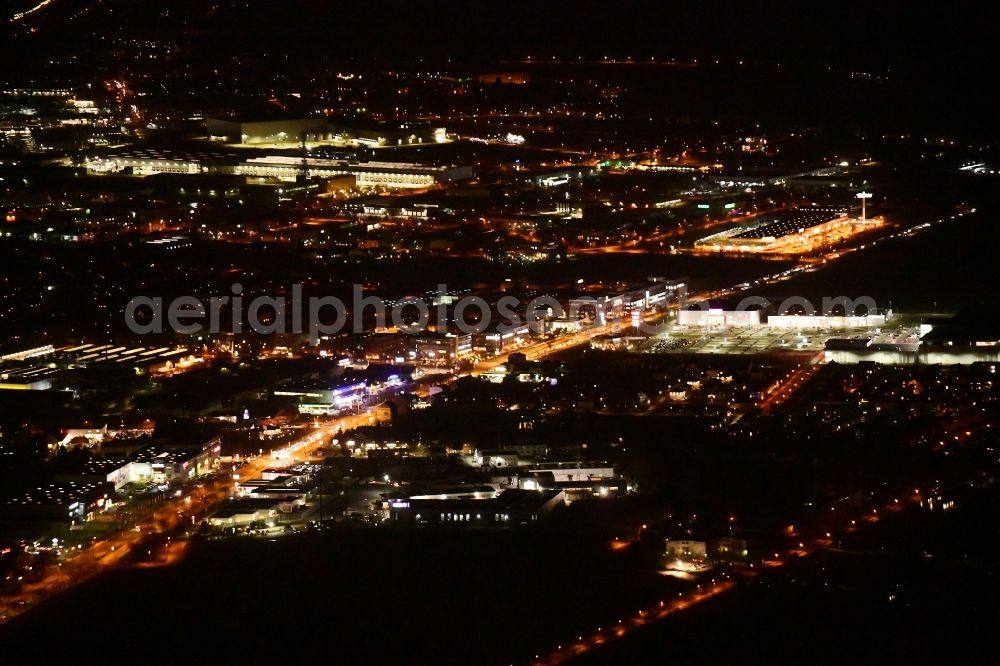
column 390, row 175
column 397, row 175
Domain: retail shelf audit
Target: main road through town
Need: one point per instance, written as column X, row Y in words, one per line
column 196, row 503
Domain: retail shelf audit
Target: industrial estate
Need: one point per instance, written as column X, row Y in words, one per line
column 404, row 336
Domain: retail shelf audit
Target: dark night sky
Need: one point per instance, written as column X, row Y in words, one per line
column 938, row 56
column 888, row 32
column 884, row 33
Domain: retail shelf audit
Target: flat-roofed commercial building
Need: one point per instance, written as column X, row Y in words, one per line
column 245, row 511
column 686, row 548
column 575, row 471
column 320, row 129
column 371, row 174
column 601, row 308
column 54, row 507
column 390, row 175
column 719, row 317
column 512, row 507
column 794, row 231
column 382, row 134
column 501, row 339
column 151, row 162
column 870, row 320
column 325, row 399
column 442, row 347
column 175, row 463
column 238, row 130
column 151, row 464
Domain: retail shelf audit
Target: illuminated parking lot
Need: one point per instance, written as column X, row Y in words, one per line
column 748, row 340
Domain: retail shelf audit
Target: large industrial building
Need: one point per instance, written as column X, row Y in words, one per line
column 49, row 367
column 511, row 508
column 54, row 508
column 381, row 134
column 972, row 327
column 320, row 129
column 264, row 131
column 820, row 321
column 390, row 175
column 154, row 463
column 150, row 162
column 719, row 315
column 758, row 313
column 793, row 232
column 367, row 174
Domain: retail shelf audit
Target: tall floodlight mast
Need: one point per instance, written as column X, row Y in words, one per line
column 864, row 196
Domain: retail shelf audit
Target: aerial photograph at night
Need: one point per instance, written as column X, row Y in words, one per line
column 499, row 333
